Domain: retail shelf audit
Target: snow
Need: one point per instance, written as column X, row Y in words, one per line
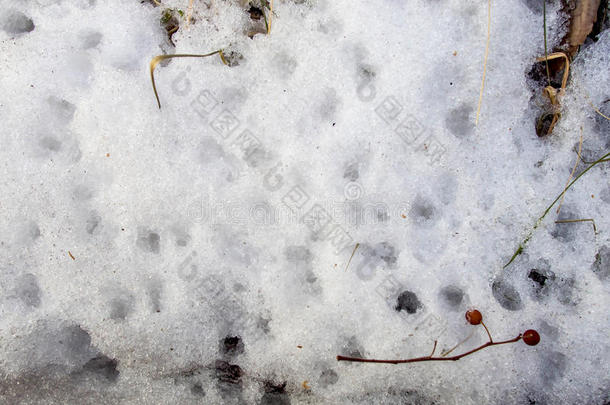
column 138, row 243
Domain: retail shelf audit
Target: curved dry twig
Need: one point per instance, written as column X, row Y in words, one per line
column 157, row 59
column 566, row 72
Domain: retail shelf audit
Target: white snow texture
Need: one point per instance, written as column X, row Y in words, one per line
column 200, row 253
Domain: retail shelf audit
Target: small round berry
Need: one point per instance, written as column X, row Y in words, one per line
column 531, row 337
column 474, row 317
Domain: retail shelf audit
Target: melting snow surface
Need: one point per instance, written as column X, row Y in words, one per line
column 199, row 253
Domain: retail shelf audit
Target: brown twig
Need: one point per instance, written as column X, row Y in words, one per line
column 429, row 358
column 433, row 349
column 474, row 317
column 487, row 330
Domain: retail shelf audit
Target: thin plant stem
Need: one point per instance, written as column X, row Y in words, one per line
column 189, row 13
column 157, row 59
column 539, row 221
column 587, row 162
column 570, row 221
column 270, row 16
column 352, row 256
column 484, row 61
column 566, row 70
column 457, row 345
column 573, row 170
column 599, row 112
column 548, row 74
column 487, row 330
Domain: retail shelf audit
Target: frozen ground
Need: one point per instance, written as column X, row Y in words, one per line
column 137, row 243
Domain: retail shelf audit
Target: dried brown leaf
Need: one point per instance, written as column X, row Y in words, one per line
column 583, row 18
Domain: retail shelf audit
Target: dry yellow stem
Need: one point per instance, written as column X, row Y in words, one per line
column 189, row 12
column 222, row 58
column 157, row 59
column 572, row 173
column 566, row 72
column 484, row 61
column 594, row 107
column 550, row 91
column 599, row 112
column 444, row 354
column 553, row 122
column 270, row 16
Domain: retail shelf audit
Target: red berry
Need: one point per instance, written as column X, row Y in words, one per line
column 474, row 317
column 531, row 337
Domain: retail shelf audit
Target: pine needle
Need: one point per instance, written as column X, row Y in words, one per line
column 352, row 256
column 159, row 58
column 569, row 221
column 485, row 60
